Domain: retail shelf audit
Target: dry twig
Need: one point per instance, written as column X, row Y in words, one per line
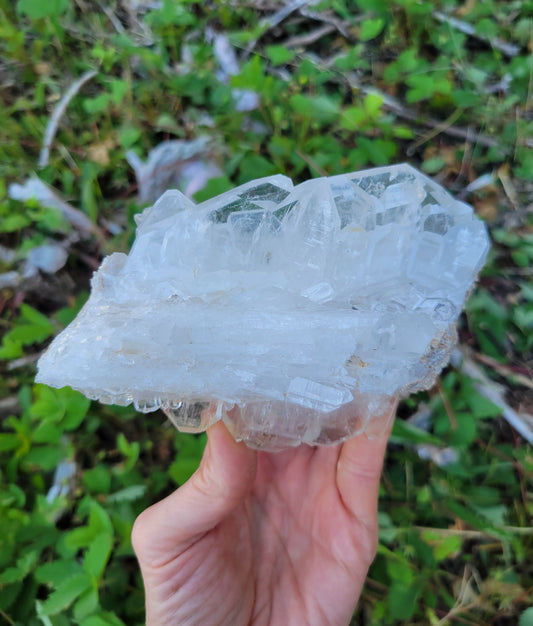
column 273, row 20
column 330, row 18
column 508, row 49
column 492, row 391
column 59, row 111
column 47, row 196
column 309, row 38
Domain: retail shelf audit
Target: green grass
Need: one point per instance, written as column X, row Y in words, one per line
column 387, row 82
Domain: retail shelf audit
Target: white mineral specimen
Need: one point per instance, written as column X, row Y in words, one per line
column 296, row 314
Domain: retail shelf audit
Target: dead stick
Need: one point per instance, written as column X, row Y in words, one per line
column 492, row 391
column 59, row 111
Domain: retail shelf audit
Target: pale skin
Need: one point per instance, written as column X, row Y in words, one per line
column 263, row 538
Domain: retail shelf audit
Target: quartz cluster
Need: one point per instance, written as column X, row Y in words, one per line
column 294, row 313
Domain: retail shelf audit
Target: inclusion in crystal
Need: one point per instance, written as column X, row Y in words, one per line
column 293, row 313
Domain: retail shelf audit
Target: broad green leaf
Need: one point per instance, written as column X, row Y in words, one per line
column 371, row 28
column 214, row 187
column 60, row 405
column 76, row 407
column 403, row 432
column 98, row 479
column 35, row 317
column 481, row 406
column 464, row 98
column 99, row 519
column 10, row 595
column 255, row 166
column 352, row 118
column 252, row 75
column 372, row 105
column 47, row 433
column 86, row 604
column 37, row 9
column 128, row 136
column 80, row 537
column 474, row 519
column 65, row 315
column 119, row 89
column 57, row 572
column 99, row 523
column 27, row 561
column 129, row 450
column 433, row 165
column 182, row 469
column 497, row 513
column 98, row 104
column 526, row 618
column 12, row 496
column 128, row 494
column 9, row 441
column 46, row 457
column 378, row 151
column 66, row 593
column 402, row 600
column 279, row 55
column 447, row 547
column 11, row 575
column 523, row 318
column 190, row 450
column 318, row 108
column 465, row 430
column 400, row 569
column 97, row 555
column 10, row 348
column 48, row 404
column 31, row 327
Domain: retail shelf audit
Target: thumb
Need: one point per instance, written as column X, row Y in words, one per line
column 359, row 469
column 224, row 478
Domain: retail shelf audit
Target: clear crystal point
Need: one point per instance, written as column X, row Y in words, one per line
column 295, row 314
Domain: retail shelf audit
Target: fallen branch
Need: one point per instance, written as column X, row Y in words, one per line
column 492, row 391
column 342, row 26
column 504, row 370
column 59, row 111
column 508, row 49
column 273, row 20
column 35, row 188
column 309, row 38
column 276, row 18
column 9, row 406
column 23, row 361
column 472, row 534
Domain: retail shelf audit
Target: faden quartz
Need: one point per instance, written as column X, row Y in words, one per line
column 294, row 313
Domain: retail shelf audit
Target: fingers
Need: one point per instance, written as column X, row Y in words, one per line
column 359, row 472
column 225, row 476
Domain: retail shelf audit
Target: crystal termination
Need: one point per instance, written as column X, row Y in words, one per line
column 294, row 313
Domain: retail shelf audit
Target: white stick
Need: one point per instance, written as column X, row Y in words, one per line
column 61, row 107
column 492, row 391
column 508, row 49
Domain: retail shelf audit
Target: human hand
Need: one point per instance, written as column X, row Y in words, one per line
column 263, row 538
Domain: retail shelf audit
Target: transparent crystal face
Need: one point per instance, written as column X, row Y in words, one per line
column 294, row 313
